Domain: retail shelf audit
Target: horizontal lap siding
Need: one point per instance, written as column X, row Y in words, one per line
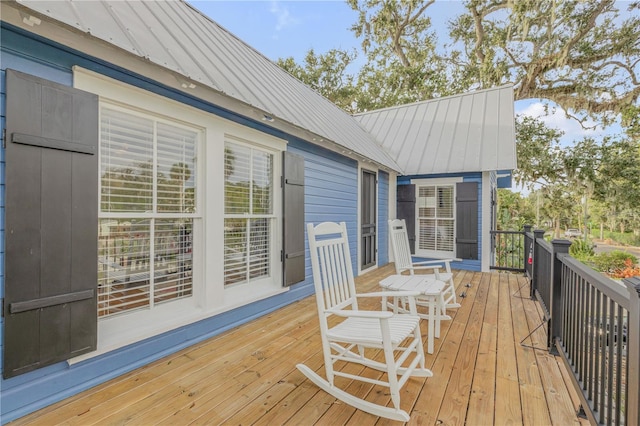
column 330, row 195
column 383, row 218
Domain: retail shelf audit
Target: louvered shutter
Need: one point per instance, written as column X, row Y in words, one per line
column 51, row 223
column 406, row 209
column 467, row 220
column 293, row 220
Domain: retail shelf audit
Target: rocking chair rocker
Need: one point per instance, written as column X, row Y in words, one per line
column 360, row 332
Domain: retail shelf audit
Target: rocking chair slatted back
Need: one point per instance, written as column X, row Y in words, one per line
column 400, row 244
column 333, row 265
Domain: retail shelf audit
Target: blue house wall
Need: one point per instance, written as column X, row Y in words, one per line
column 465, row 264
column 383, row 218
column 331, row 193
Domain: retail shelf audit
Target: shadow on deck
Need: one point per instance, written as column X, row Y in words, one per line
column 482, row 374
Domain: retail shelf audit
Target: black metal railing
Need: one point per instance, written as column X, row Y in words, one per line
column 543, row 255
column 508, row 249
column 593, row 324
column 593, row 340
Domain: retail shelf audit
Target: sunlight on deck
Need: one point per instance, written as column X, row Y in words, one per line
column 482, row 374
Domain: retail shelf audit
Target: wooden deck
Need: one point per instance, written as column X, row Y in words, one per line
column 482, row 375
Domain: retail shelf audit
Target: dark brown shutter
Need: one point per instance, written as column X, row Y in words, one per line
column 293, row 220
column 51, row 223
column 406, row 209
column 467, row 220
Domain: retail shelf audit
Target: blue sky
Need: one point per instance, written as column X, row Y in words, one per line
column 279, row 29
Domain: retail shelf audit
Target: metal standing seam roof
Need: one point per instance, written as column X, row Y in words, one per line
column 463, row 133
column 176, row 36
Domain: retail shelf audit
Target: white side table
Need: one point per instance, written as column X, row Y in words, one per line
column 430, row 295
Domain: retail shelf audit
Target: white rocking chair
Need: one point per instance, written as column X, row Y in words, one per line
column 402, row 254
column 396, row 335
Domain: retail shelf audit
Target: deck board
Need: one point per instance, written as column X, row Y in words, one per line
column 483, row 387
column 482, row 375
column 507, row 403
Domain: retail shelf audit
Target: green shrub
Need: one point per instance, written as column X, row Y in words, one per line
column 581, row 249
column 628, row 238
column 611, row 261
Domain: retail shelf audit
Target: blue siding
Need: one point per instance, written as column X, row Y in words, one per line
column 330, row 195
column 383, row 218
column 505, row 181
column 468, row 265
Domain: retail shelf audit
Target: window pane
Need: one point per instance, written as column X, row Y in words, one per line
column 427, row 232
column 261, row 183
column 126, row 162
column 235, row 250
column 176, row 158
column 172, row 260
column 123, row 265
column 445, row 235
column 259, row 244
column 237, row 172
column 445, row 202
column 426, row 201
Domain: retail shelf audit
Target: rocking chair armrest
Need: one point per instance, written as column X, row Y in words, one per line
column 419, row 266
column 402, row 293
column 431, row 262
column 361, row 314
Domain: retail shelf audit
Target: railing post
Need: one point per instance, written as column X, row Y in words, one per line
column 527, row 243
column 534, row 275
column 633, row 340
column 560, row 247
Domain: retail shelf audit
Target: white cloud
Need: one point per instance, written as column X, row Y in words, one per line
column 555, row 117
column 283, row 16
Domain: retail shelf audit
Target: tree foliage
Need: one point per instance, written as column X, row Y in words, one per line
column 327, row 74
column 580, row 55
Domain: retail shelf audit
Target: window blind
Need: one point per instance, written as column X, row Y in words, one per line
column 249, row 220
column 148, row 167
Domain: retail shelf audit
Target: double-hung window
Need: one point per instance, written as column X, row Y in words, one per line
column 249, row 213
column 436, row 220
column 148, row 205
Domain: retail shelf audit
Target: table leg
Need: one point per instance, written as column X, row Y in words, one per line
column 432, row 313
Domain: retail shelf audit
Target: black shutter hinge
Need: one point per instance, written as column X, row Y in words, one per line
column 281, row 255
column 4, row 138
column 2, row 307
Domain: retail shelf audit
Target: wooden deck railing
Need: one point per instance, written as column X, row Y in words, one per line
column 593, row 323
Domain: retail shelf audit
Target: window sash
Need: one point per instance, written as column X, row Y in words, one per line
column 147, row 211
column 249, row 220
column 147, row 165
column 436, row 222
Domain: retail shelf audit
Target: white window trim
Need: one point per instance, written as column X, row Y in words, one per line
column 210, row 297
column 244, row 291
column 438, row 254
